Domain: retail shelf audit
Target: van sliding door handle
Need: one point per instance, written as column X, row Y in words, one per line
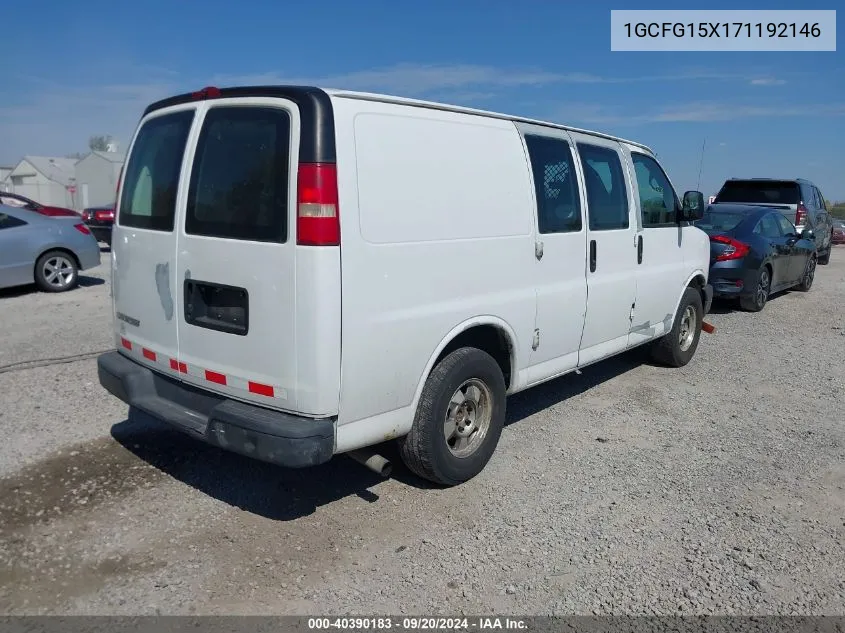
column 639, row 249
column 592, row 256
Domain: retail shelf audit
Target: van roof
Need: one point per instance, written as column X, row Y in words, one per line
column 385, row 98
column 312, row 93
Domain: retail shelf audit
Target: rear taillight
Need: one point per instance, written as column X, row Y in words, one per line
column 103, row 216
column 734, row 249
column 317, row 219
column 800, row 214
column 82, row 229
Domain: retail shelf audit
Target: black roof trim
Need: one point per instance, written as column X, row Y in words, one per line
column 317, row 133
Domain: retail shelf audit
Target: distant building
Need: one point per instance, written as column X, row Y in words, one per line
column 45, row 179
column 4, row 174
column 96, row 178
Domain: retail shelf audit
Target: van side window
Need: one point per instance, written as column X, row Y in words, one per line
column 148, row 197
column 658, row 200
column 555, row 184
column 239, row 182
column 607, row 198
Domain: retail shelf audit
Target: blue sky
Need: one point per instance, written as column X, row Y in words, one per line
column 92, row 66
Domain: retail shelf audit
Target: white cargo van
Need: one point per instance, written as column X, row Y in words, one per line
column 299, row 272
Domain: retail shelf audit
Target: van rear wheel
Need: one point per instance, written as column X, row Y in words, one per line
column 677, row 348
column 459, row 418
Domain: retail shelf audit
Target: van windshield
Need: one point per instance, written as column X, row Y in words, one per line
column 759, row 192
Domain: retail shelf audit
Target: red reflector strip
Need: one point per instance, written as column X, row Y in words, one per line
column 261, row 390
column 235, row 382
column 213, row 376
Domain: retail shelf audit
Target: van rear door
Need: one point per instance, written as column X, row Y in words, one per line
column 144, row 239
column 236, row 265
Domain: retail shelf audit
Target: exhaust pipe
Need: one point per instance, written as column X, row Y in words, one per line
column 372, row 460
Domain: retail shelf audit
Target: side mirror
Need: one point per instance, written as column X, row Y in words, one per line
column 693, row 206
column 807, row 234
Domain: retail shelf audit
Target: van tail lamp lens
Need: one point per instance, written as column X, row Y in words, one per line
column 317, row 219
column 82, row 229
column 800, row 214
column 104, row 216
column 209, row 92
column 734, row 249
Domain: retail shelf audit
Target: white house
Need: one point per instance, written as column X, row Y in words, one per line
column 46, row 179
column 5, row 185
column 96, row 178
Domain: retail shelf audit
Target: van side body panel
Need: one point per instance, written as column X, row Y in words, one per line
column 418, row 258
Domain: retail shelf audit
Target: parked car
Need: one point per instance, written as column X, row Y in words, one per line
column 838, row 232
column 799, row 200
column 21, row 202
column 100, row 220
column 756, row 251
column 47, row 250
column 469, row 270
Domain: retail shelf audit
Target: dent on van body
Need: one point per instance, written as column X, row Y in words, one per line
column 162, row 279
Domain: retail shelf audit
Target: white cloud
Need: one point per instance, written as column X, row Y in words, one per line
column 418, row 79
column 694, row 112
column 767, row 81
column 107, row 97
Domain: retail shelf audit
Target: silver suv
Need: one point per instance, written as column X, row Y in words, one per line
column 799, row 200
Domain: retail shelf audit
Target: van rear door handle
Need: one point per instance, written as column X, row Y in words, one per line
column 592, row 256
column 639, row 249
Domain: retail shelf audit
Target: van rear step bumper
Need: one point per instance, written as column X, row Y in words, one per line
column 263, row 434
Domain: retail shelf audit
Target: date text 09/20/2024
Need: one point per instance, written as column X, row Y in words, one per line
column 386, row 623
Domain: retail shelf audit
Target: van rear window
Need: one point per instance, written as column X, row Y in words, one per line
column 759, row 192
column 151, row 180
column 239, row 183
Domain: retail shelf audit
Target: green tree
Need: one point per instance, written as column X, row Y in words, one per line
column 99, row 143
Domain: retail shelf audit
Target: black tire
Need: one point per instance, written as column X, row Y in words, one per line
column 808, row 276
column 56, row 271
column 669, row 349
column 425, row 450
column 758, row 300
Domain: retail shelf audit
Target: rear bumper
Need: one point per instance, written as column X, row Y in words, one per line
column 263, row 434
column 102, row 233
column 89, row 256
column 730, row 279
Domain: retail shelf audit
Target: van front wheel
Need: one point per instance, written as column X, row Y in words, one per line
column 677, row 348
column 459, row 418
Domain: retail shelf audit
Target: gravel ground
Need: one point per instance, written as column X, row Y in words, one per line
column 630, row 489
